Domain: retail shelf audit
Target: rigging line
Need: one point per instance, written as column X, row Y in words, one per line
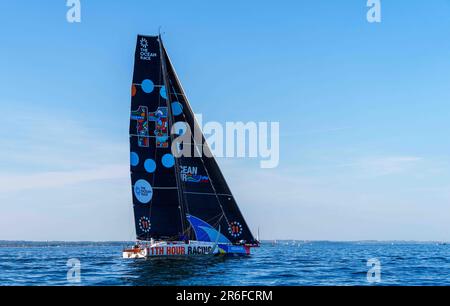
column 171, row 86
column 212, row 157
column 220, row 216
column 169, row 110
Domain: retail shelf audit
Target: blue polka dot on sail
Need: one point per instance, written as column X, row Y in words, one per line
column 168, row 161
column 177, row 108
column 134, row 159
column 163, row 92
column 150, row 165
column 147, row 86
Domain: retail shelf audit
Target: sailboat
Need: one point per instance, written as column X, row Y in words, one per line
column 182, row 203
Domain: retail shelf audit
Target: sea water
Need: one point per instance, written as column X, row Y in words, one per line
column 282, row 263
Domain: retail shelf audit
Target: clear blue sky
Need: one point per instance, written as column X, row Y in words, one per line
column 364, row 112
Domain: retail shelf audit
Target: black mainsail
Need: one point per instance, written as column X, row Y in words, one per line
column 175, row 197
